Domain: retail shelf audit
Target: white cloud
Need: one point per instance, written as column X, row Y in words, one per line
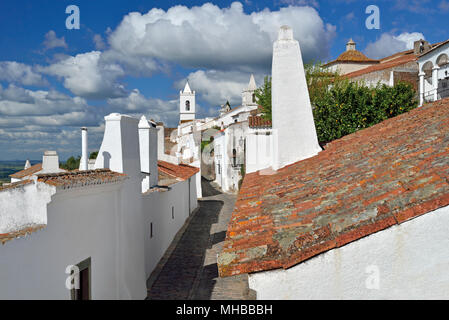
column 136, row 104
column 215, row 87
column 211, row 37
column 87, row 76
column 16, row 72
column 17, row 101
column 99, row 42
column 52, row 41
column 389, row 44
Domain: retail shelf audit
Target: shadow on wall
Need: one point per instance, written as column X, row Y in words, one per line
column 106, row 159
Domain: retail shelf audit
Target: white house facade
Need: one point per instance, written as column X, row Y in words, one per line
column 95, row 234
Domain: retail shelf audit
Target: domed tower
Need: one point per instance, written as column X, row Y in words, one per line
column 186, row 104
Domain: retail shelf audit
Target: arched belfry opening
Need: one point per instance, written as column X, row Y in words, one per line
column 187, row 105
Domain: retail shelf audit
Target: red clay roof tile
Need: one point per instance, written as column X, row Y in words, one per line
column 27, row 172
column 4, row 237
column 181, row 171
column 81, row 178
column 258, row 122
column 360, row 184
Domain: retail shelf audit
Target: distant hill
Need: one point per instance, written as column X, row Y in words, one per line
column 12, row 166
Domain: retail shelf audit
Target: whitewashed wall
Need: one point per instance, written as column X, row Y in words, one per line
column 157, row 209
column 81, row 224
column 411, row 260
column 259, row 150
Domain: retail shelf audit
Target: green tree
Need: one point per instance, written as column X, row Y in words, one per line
column 72, row 163
column 263, row 95
column 341, row 107
column 93, row 155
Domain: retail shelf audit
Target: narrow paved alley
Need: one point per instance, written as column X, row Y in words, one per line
column 188, row 269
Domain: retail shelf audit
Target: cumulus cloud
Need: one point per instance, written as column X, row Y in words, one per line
column 20, row 73
column 215, row 86
column 389, row 44
column 17, row 101
column 87, row 76
column 137, row 104
column 52, row 41
column 99, row 42
column 219, row 38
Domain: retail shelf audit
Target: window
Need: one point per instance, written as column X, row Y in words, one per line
column 234, row 157
column 83, row 293
column 173, row 212
column 254, row 98
column 187, row 105
column 151, row 230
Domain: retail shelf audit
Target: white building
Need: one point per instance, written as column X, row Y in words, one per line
column 434, row 73
column 229, row 156
column 366, row 218
column 112, row 224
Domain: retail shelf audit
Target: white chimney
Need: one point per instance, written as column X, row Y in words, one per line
column 160, row 141
column 27, row 164
column 50, row 162
column 294, row 131
column 148, row 145
column 119, row 149
column 84, row 156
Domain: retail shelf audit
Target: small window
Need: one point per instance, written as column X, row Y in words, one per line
column 187, row 105
column 83, row 291
column 151, row 230
column 173, row 213
column 234, row 157
column 254, row 98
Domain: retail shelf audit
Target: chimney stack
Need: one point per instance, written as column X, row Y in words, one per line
column 84, row 155
column 294, row 131
column 148, row 145
column 50, row 162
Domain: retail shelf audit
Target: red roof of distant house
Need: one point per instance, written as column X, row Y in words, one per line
column 353, row 56
column 258, row 122
column 181, row 171
column 403, row 59
column 360, row 184
column 27, row 172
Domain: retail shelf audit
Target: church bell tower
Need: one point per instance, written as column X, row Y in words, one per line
column 186, row 104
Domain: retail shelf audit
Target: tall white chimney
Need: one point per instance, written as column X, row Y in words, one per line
column 84, row 156
column 119, row 150
column 294, row 131
column 148, row 145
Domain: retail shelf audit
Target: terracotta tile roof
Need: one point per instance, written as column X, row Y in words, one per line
column 27, row 172
column 181, row 171
column 258, row 122
column 382, row 66
column 352, row 56
column 360, row 184
column 4, row 237
column 15, row 185
column 81, row 178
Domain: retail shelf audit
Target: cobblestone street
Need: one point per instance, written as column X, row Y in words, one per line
column 188, row 269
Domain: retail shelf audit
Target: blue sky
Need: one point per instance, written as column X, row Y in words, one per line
column 134, row 56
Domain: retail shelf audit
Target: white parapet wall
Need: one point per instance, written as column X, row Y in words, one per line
column 406, row 261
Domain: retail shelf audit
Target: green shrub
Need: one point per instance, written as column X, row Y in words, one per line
column 347, row 107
